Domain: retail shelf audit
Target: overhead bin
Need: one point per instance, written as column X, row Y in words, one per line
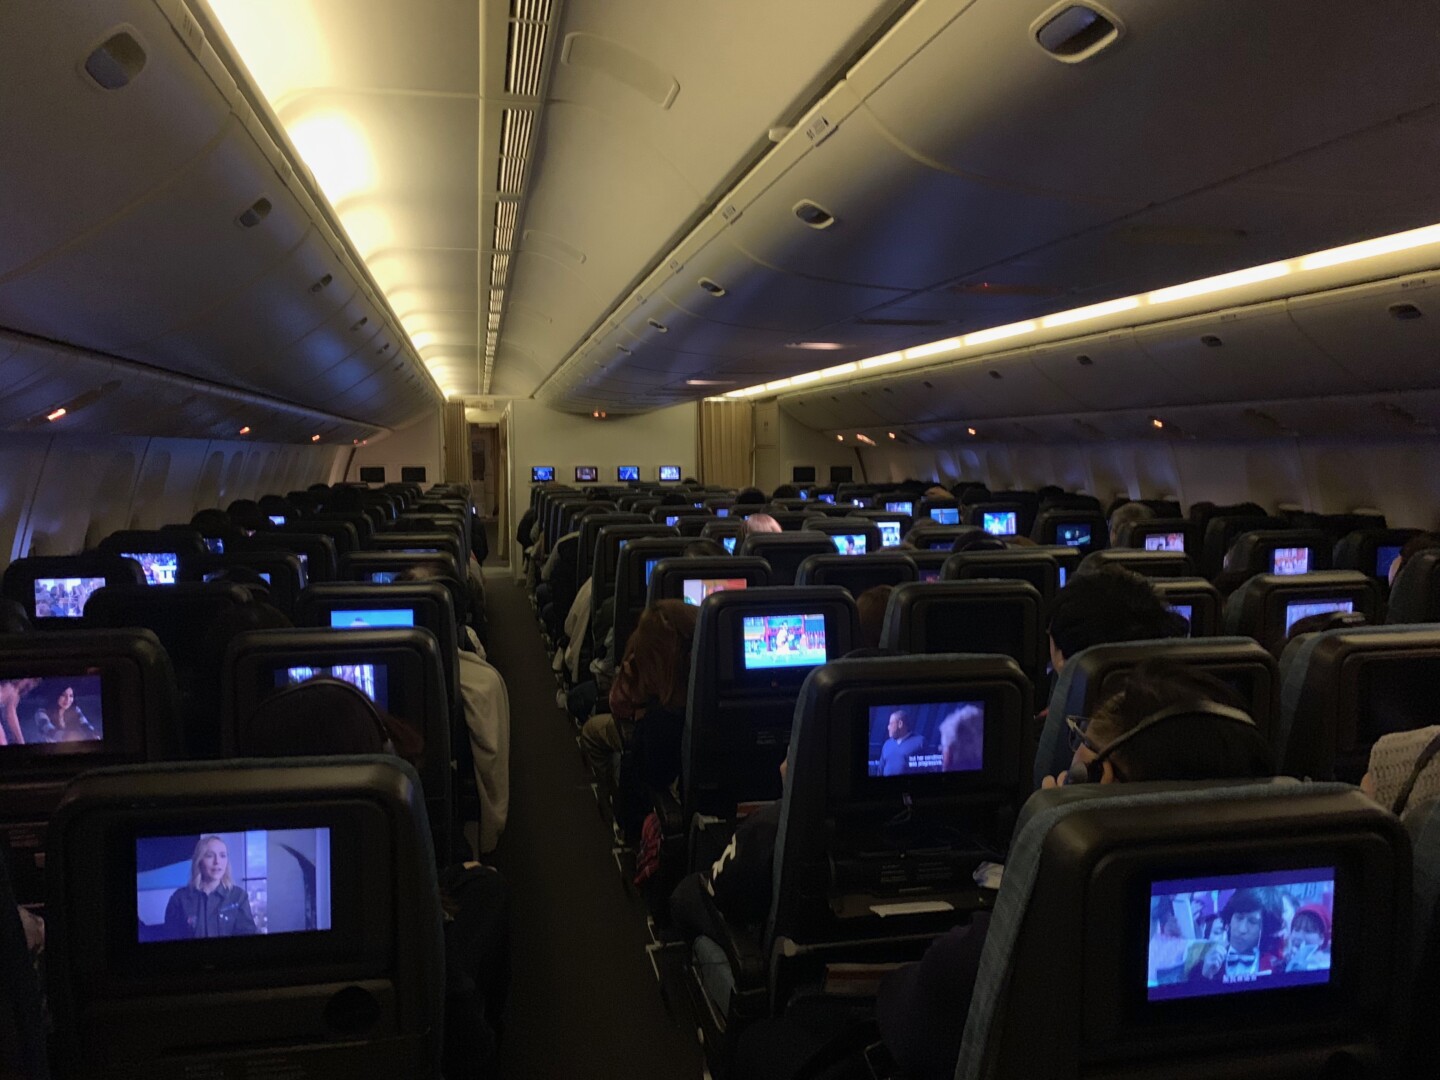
column 1386, row 334
column 1107, row 371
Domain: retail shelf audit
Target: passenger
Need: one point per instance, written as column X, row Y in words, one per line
column 786, row 491
column 647, row 712
column 921, row 1006
column 1127, row 514
column 751, row 496
column 938, row 493
column 323, row 716
column 871, row 605
column 1400, row 761
column 246, row 515
column 1416, row 544
column 962, row 739
column 13, row 618
column 978, row 541
column 761, row 523
column 1107, row 605
column 211, row 905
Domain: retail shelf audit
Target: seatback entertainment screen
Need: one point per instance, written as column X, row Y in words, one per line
column 51, row 709
column 159, row 566
column 1165, row 542
column 1294, row 560
column 1236, row 933
column 849, row 543
column 694, row 590
column 945, row 515
column 900, row 507
column 998, row 523
column 728, row 542
column 783, row 641
column 64, row 598
column 370, row 679
column 1075, row 535
column 1304, row 609
column 927, row 738
column 369, row 618
column 1384, row 556
column 889, row 533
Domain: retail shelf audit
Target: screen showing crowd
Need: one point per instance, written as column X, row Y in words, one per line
column 232, row 884
column 371, row 679
column 694, row 590
column 889, row 533
column 945, row 515
column 1174, row 541
column 1295, row 612
column 366, row 618
column 51, row 709
column 1290, row 561
column 1077, row 535
column 998, row 523
column 900, row 507
column 1239, row 932
column 669, row 473
column 781, row 641
column 930, row 738
column 159, row 566
column 64, row 598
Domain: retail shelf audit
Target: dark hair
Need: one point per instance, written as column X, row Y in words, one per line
column 213, row 519
column 13, row 618
column 1108, row 605
column 675, row 498
column 751, row 496
column 1196, row 747
column 1418, row 543
column 978, row 541
column 1242, row 900
column 658, row 652
column 324, row 716
column 246, row 514
column 786, row 491
column 872, row 604
column 704, row 547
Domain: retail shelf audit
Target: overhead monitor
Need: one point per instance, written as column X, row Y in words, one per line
column 64, row 598
column 669, row 473
column 627, row 473
column 587, row 474
column 542, row 474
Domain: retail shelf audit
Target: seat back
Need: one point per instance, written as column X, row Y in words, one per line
column 419, row 543
column 1092, row 675
column 85, row 698
column 1221, row 531
column 930, row 564
column 850, row 535
column 752, row 650
column 727, row 533
column 156, row 550
column 1422, row 822
column 343, row 534
column 942, row 511
column 856, row 573
column 1280, row 551
column 606, row 557
column 634, row 567
column 1268, row 605
column 329, row 935
column 283, row 575
column 54, row 589
column 1371, row 551
column 1343, row 689
column 589, row 530
column 998, row 518
column 1195, row 599
column 893, row 527
column 178, row 615
column 949, row 770
column 399, row 669
column 1415, row 596
column 363, row 523
column 319, row 558
column 1083, row 529
column 925, row 535
column 785, row 551
column 383, row 567
column 692, row 578
column 1158, row 860
column 1029, row 503
column 1067, row 559
column 1161, row 534
column 975, row 616
column 1015, row 564
column 1151, row 564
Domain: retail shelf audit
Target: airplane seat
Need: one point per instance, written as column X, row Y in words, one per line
column 857, row 573
column 1068, row 502
column 54, row 589
column 1160, row 534
column 1220, row 532
column 1371, row 551
column 1039, row 568
column 557, row 593
column 727, row 532
column 692, row 578
column 329, row 938
column 982, row 615
column 604, row 561
column 273, row 506
column 319, row 557
column 1165, row 508
column 177, row 614
column 634, row 565
column 343, row 534
column 785, row 551
column 362, row 522
column 893, row 527
column 1093, row 675
column 1268, row 605
column 84, row 698
column 946, row 511
column 1029, row 503
column 399, row 669
column 849, row 535
column 925, row 535
column 693, row 524
column 1150, row 564
column 280, row 572
column 1159, row 999
column 1194, row 599
column 1422, row 822
column 931, row 564
column 1077, row 528
column 1282, row 551
column 1415, row 596
column 752, row 650
column 23, row 1050
column 589, row 530
column 789, row 520
column 1000, row 517
column 1343, row 689
column 156, row 550
column 852, row 882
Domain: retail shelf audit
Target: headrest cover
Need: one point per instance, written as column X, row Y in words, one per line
column 1392, row 763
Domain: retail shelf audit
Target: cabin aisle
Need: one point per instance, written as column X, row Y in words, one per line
column 584, row 1001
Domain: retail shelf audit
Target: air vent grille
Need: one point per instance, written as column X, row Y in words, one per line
column 516, row 128
column 116, row 61
column 525, row 56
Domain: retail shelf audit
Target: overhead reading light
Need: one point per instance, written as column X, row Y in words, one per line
column 714, row 288
column 839, row 438
column 56, row 415
column 245, row 430
column 972, row 431
column 865, row 439
column 314, row 438
column 891, row 434
column 1072, row 33
column 1157, row 423
column 815, row 346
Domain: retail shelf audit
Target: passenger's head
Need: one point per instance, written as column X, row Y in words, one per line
column 1404, row 769
column 938, row 493
column 324, row 716
column 786, row 491
column 256, row 615
column 751, row 496
column 1107, row 605
column 675, row 498
column 1329, row 620
column 1416, row 544
column 977, row 541
column 210, row 865
column 762, row 523
column 246, row 514
column 1127, row 514
column 871, row 605
column 659, row 651
column 962, row 739
column 13, row 619
column 1190, row 746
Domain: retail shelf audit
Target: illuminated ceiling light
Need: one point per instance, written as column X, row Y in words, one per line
column 815, row 346
column 423, row 340
column 1369, row 249
column 280, row 42
column 999, row 333
column 891, row 434
column 838, row 370
column 1094, row 311
column 708, row 382
column 881, row 361
column 245, row 430
column 335, row 149
column 839, row 438
column 778, row 384
column 1157, row 423
column 933, row 348
column 865, row 439
column 1221, row 281
column 450, row 392
column 314, row 438
column 972, row 431
column 806, row 377
column 56, row 415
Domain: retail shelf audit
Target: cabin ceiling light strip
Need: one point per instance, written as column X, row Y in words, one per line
column 1365, row 249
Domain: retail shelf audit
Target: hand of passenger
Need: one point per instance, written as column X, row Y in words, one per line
column 1058, row 780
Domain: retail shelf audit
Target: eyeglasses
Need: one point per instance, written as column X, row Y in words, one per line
column 1078, row 737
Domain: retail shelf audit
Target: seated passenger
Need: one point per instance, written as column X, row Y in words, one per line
column 751, row 496
column 1127, row 514
column 919, row 1005
column 1105, row 606
column 1404, row 769
column 1416, row 544
column 762, row 523
column 647, row 712
column 871, row 605
column 785, row 491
